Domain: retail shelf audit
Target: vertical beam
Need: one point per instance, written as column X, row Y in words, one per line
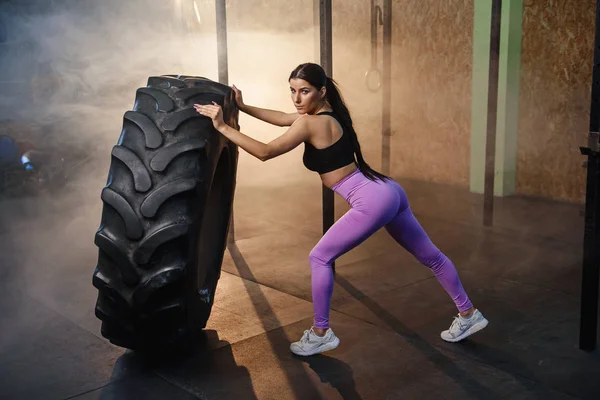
column 490, row 142
column 222, row 42
column 374, row 26
column 325, row 37
column 223, row 71
column 479, row 90
column 317, row 30
column 588, row 333
column 588, row 325
column 508, row 95
column 326, row 61
column 386, row 84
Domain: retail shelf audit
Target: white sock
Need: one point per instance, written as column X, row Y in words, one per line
column 319, row 336
column 467, row 318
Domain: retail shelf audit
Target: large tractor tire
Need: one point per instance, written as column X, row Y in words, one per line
column 165, row 218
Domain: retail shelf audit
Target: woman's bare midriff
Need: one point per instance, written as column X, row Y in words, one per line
column 329, row 179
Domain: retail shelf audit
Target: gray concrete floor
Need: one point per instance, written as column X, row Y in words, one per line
column 388, row 310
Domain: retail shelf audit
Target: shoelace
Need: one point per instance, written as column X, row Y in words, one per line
column 305, row 337
column 456, row 322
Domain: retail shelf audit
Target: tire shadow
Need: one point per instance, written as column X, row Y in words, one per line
column 203, row 371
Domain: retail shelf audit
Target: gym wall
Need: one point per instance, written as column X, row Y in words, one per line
column 431, row 69
column 431, row 76
column 432, row 51
column 554, row 101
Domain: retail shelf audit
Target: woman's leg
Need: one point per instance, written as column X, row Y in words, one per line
column 372, row 207
column 407, row 231
column 349, row 231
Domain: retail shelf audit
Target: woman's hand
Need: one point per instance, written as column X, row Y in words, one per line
column 213, row 111
column 238, row 98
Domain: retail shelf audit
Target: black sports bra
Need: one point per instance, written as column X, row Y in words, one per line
column 338, row 155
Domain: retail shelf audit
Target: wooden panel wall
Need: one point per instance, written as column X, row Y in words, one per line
column 431, row 78
column 556, row 74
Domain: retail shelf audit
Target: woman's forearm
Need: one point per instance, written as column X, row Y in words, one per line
column 252, row 146
column 271, row 116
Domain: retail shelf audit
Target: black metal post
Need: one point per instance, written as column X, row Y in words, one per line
column 590, row 283
column 376, row 20
column 325, row 59
column 325, row 35
column 490, row 142
column 222, row 41
column 375, row 16
column 223, row 71
column 386, row 100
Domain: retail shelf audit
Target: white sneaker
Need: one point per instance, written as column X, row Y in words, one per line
column 311, row 343
column 462, row 327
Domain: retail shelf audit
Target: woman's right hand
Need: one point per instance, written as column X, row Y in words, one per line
column 238, row 97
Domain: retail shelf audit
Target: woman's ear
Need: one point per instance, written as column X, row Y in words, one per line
column 323, row 92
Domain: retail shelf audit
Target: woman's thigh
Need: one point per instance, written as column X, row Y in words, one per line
column 372, row 207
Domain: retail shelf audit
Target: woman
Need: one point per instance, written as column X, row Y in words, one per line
column 324, row 125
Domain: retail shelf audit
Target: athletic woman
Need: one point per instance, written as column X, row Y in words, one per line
column 323, row 123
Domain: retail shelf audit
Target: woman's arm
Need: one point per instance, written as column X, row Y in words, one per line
column 292, row 138
column 271, row 116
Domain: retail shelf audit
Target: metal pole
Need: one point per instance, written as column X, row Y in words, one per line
column 222, row 41
column 325, row 34
column 588, row 333
column 223, row 71
column 374, row 26
column 490, row 143
column 325, row 59
column 376, row 20
column 386, row 100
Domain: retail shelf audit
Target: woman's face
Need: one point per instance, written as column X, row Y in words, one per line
column 306, row 97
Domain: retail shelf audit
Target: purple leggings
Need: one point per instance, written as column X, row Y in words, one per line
column 375, row 204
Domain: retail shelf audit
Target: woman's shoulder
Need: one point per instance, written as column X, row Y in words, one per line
column 315, row 124
column 309, row 120
column 323, row 118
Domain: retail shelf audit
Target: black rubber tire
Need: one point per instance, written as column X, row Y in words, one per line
column 165, row 217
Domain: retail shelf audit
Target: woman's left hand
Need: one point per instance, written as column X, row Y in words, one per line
column 213, row 111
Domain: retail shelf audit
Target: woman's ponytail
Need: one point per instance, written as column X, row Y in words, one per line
column 339, row 107
column 316, row 76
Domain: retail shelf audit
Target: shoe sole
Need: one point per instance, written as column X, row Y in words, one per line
column 323, row 349
column 474, row 329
